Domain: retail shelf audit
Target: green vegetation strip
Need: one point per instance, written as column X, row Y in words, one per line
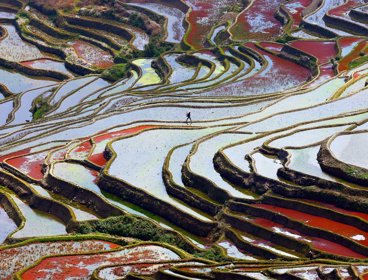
column 136, row 227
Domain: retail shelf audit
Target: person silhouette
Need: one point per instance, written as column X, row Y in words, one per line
column 189, row 118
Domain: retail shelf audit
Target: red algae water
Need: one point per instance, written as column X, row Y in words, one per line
column 348, row 231
column 322, row 50
column 30, row 165
column 257, row 22
column 99, row 158
column 316, row 243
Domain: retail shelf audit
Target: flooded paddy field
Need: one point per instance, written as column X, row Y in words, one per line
column 183, row 139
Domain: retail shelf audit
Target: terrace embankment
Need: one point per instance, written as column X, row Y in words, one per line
column 26, row 193
column 10, row 209
column 292, row 219
column 359, row 15
column 330, row 164
column 189, row 197
column 33, row 72
column 346, row 25
column 82, row 196
column 159, row 207
column 328, row 191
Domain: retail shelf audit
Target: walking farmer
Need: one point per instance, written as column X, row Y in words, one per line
column 189, row 119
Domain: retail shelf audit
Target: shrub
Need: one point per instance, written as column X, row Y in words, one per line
column 136, row 20
column 155, row 49
column 285, row 39
column 127, row 53
column 116, row 72
column 40, row 108
column 22, row 14
column 213, row 254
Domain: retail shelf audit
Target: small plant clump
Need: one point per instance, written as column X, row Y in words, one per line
column 155, row 49
column 40, row 108
column 285, row 39
column 136, row 20
column 116, row 72
column 213, row 254
column 126, row 53
column 22, row 14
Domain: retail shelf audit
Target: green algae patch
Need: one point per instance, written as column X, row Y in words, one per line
column 361, row 59
column 356, row 172
column 358, row 61
column 116, row 72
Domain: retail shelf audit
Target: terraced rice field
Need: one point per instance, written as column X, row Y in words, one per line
column 183, row 139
